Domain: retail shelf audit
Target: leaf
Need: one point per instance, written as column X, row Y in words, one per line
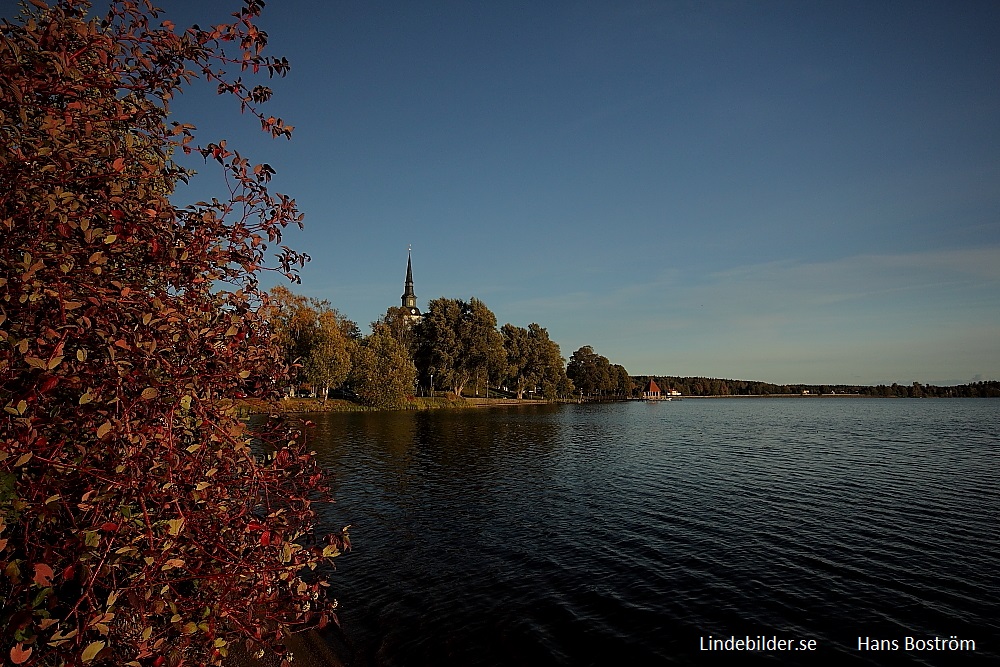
column 172, row 563
column 149, row 393
column 86, row 398
column 103, row 429
column 55, row 361
column 175, row 525
column 43, row 575
column 23, row 458
column 19, row 655
column 111, row 238
column 91, row 651
column 35, row 362
column 81, row 355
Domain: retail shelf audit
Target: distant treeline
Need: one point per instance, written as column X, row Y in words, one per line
column 700, row 386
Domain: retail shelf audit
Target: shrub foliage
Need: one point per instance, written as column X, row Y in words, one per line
column 139, row 522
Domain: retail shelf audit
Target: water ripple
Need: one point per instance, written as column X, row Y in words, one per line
column 554, row 536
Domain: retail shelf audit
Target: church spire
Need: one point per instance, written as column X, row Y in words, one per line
column 409, row 298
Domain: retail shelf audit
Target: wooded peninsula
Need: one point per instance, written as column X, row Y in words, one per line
column 455, row 348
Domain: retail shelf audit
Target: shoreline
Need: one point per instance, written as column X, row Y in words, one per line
column 289, row 406
column 249, row 406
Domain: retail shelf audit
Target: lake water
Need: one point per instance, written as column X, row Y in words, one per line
column 565, row 534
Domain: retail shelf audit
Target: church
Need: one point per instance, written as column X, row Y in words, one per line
column 409, row 298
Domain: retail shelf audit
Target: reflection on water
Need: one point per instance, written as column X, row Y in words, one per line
column 556, row 534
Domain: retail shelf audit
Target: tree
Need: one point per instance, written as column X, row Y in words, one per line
column 459, row 339
column 519, row 372
column 550, row 363
column 621, row 381
column 533, row 360
column 313, row 337
column 401, row 326
column 292, row 318
column 333, row 346
column 483, row 355
column 139, row 523
column 384, row 374
column 589, row 371
column 439, row 341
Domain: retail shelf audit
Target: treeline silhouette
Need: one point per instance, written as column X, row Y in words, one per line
column 702, row 386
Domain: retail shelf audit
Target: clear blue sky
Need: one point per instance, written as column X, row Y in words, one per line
column 779, row 191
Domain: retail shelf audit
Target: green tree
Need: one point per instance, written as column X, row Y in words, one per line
column 401, row 326
column 459, row 339
column 621, row 381
column 384, row 375
column 518, row 372
column 484, row 354
column 551, row 364
column 590, row 372
column 137, row 524
column 533, row 360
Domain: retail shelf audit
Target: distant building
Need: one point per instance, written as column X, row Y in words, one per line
column 409, row 299
column 651, row 390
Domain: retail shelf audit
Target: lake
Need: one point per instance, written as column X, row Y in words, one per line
column 669, row 533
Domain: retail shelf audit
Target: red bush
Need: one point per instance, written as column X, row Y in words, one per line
column 139, row 523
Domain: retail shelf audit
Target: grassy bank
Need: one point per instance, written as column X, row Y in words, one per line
column 250, row 406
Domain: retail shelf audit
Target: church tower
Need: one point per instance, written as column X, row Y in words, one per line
column 409, row 298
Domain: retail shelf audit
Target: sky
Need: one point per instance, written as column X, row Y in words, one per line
column 780, row 191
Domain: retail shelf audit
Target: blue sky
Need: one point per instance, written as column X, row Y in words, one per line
column 778, row 191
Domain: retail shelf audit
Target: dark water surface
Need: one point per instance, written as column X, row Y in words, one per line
column 565, row 535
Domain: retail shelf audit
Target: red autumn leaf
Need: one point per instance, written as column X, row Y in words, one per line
column 43, row 575
column 109, row 527
column 19, row 655
column 265, row 538
column 48, row 384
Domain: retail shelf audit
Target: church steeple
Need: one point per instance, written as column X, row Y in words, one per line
column 409, row 298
